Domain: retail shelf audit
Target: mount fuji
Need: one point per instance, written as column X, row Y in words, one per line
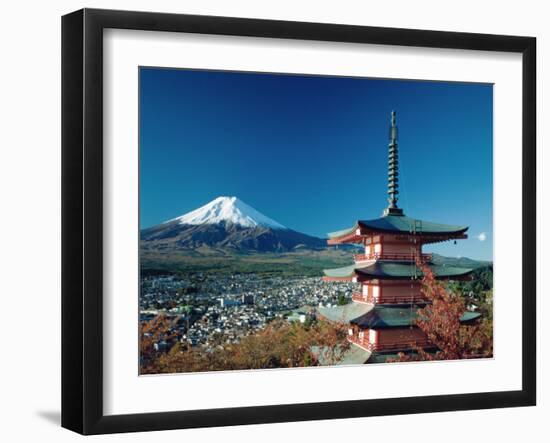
column 227, row 223
column 228, row 210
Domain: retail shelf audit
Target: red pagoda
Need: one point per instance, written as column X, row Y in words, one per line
column 382, row 315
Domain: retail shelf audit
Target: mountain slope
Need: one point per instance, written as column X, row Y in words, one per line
column 228, row 223
column 462, row 262
column 173, row 235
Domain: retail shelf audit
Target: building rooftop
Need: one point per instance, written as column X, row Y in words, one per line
column 355, row 355
column 379, row 317
column 397, row 224
column 346, row 313
column 394, row 270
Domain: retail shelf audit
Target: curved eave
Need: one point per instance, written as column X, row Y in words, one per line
column 431, row 238
column 345, row 314
column 387, row 317
column 393, row 271
column 430, row 232
column 338, row 274
column 406, row 271
column 368, row 230
column 348, row 235
column 408, row 225
column 355, row 355
column 398, row 317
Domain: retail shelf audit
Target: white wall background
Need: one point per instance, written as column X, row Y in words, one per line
column 30, row 217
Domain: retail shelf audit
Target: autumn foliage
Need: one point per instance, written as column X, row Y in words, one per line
column 440, row 321
column 318, row 342
column 279, row 345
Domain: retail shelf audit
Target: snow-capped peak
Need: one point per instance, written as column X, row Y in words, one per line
column 228, row 209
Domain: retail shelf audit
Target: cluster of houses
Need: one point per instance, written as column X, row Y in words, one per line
column 207, row 310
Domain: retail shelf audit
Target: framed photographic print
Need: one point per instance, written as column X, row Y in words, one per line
column 311, row 220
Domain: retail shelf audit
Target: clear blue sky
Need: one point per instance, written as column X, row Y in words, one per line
column 311, row 152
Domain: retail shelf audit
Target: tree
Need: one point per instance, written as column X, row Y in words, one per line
column 151, row 332
column 478, row 291
column 342, row 300
column 440, row 321
column 279, row 345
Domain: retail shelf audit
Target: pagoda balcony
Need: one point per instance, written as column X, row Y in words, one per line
column 359, row 297
column 405, row 299
column 402, row 345
column 392, row 256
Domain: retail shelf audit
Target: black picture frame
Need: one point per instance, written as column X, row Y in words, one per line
column 82, row 218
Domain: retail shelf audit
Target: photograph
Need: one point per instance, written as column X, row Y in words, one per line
column 291, row 220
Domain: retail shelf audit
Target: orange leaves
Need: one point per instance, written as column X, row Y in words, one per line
column 279, row 345
column 440, row 321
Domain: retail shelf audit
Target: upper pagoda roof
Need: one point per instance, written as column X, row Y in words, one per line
column 380, row 317
column 394, row 270
column 398, row 224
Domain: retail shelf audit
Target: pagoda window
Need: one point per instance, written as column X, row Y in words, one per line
column 350, row 332
column 368, row 250
column 377, row 248
column 365, row 290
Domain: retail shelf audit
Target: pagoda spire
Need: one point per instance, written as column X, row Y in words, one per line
column 393, row 170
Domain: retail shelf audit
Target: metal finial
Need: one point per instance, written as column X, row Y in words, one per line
column 393, row 170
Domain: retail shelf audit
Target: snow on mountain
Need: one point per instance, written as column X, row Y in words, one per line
column 229, row 224
column 230, row 210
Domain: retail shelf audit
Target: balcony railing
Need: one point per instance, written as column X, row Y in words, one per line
column 397, row 345
column 359, row 297
column 391, row 256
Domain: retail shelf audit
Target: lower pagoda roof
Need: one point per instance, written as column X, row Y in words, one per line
column 346, row 313
column 380, row 317
column 393, row 270
column 355, row 355
column 396, row 224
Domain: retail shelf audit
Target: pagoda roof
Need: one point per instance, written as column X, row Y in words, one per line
column 397, row 317
column 346, row 313
column 394, row 270
column 354, row 355
column 400, row 224
column 380, row 317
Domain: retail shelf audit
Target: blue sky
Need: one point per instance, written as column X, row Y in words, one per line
column 311, row 152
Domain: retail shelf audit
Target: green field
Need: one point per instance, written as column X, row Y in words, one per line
column 300, row 263
column 291, row 264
